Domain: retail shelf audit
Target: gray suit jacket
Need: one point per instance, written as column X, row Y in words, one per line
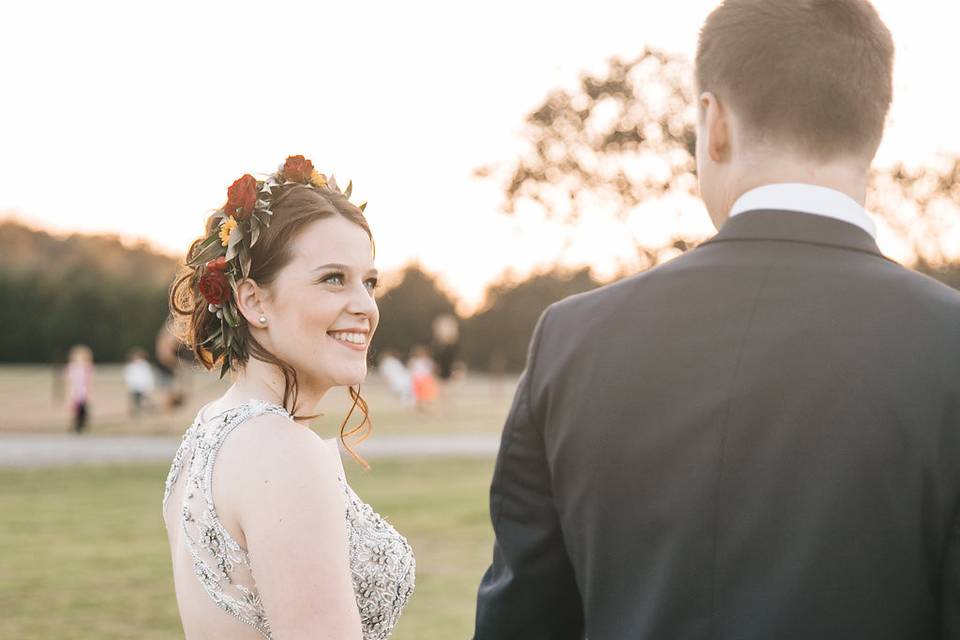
column 757, row 440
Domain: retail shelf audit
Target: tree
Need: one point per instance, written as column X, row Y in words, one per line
column 407, row 311
column 921, row 205
column 504, row 325
column 83, row 289
column 621, row 138
column 627, row 136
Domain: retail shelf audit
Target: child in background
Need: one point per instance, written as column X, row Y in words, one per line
column 79, row 378
column 421, row 368
column 138, row 375
column 396, row 376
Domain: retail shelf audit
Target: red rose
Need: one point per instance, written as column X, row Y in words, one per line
column 241, row 197
column 217, row 264
column 297, row 169
column 214, row 287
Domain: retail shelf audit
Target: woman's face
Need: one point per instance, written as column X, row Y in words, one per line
column 321, row 312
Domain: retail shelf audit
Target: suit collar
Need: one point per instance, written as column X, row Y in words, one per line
column 806, row 228
column 805, row 198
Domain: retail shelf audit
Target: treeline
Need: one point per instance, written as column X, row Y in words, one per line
column 80, row 289
column 95, row 290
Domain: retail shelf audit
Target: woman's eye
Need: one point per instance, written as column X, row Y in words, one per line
column 334, row 278
column 372, row 283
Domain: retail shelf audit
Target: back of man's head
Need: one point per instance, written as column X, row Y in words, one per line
column 812, row 76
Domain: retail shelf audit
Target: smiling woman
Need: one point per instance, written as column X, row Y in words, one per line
column 280, row 292
column 264, row 230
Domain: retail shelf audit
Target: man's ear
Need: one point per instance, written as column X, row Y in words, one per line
column 250, row 299
column 716, row 126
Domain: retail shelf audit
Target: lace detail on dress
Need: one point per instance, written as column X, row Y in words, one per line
column 381, row 560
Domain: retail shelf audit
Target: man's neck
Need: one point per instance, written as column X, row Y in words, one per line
column 842, row 176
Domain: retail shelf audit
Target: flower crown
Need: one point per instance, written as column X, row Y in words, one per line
column 223, row 257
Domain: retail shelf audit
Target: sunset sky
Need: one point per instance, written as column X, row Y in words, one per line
column 133, row 118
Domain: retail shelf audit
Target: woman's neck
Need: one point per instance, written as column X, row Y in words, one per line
column 261, row 381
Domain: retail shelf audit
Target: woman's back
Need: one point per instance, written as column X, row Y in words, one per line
column 213, row 573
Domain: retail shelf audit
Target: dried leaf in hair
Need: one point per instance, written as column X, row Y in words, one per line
column 233, row 285
column 254, row 230
column 224, row 368
column 244, row 260
column 332, row 183
column 349, row 189
column 205, row 251
column 362, row 207
column 233, row 242
column 229, row 316
column 217, row 333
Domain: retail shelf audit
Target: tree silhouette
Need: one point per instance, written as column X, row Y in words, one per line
column 407, row 311
column 921, row 205
column 621, row 138
column 505, row 323
column 627, row 136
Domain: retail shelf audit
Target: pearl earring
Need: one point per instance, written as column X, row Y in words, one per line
column 262, row 319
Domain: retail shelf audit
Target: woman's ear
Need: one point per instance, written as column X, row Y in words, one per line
column 250, row 301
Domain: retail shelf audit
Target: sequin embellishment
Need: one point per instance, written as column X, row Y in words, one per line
column 381, row 560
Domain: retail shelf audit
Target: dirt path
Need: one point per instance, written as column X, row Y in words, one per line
column 63, row 450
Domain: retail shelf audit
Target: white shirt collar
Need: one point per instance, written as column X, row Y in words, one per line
column 806, row 198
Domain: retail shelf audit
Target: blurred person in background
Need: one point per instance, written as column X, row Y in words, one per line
column 173, row 361
column 446, row 345
column 139, row 378
column 396, row 376
column 78, row 376
column 280, row 293
column 422, row 368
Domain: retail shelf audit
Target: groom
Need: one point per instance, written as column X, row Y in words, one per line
column 759, row 440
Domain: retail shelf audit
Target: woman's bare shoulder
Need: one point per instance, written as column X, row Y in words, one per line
column 271, row 458
column 273, row 444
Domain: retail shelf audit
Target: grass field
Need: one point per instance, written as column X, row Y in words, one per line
column 32, row 404
column 83, row 553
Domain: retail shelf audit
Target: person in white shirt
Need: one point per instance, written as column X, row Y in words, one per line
column 139, row 378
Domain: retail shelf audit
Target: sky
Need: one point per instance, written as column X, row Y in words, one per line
column 133, row 117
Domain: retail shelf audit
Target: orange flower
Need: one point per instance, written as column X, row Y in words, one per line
column 297, row 169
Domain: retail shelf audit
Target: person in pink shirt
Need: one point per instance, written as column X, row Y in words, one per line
column 79, row 378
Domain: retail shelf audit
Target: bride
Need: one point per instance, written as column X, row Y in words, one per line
column 266, row 537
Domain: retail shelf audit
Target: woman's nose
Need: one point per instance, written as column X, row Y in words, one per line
column 362, row 301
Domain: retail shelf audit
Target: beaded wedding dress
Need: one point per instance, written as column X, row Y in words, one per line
column 381, row 560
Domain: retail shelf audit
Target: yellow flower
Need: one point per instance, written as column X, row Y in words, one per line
column 225, row 229
column 318, row 179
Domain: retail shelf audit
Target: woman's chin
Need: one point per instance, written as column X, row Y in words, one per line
column 351, row 378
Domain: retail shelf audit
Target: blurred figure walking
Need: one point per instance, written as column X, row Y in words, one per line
column 421, row 368
column 446, row 344
column 79, row 379
column 139, row 378
column 395, row 374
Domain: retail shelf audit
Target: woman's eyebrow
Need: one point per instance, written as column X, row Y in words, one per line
column 342, row 267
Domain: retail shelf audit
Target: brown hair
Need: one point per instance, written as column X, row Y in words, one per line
column 294, row 207
column 812, row 74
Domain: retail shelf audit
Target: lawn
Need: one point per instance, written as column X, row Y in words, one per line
column 83, row 553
